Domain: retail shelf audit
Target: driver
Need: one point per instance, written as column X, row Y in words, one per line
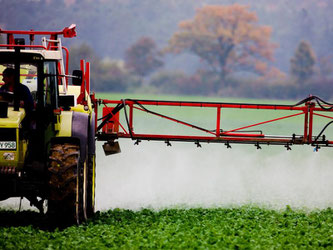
column 22, row 91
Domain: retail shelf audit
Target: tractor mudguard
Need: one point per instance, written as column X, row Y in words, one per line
column 77, row 125
column 91, row 138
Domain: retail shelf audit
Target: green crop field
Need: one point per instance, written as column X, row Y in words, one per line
column 220, row 228
column 152, row 196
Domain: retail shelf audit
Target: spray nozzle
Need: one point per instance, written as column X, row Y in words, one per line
column 316, row 148
column 227, row 144
column 137, row 142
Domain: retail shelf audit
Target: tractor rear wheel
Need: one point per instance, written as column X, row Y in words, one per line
column 67, row 184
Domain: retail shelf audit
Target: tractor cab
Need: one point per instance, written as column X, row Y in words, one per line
column 28, row 106
column 41, row 75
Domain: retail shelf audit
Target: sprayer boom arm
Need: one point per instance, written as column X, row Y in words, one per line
column 113, row 127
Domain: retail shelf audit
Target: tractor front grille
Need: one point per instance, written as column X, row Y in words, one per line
column 8, row 139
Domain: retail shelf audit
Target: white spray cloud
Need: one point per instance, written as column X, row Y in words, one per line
column 155, row 176
column 152, row 175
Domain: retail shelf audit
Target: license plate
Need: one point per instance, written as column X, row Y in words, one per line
column 7, row 144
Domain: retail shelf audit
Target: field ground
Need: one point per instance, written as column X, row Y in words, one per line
column 242, row 227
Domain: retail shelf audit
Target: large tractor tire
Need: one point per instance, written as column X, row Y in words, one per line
column 67, row 184
column 91, row 185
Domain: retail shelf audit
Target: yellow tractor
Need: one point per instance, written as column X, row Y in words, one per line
column 47, row 153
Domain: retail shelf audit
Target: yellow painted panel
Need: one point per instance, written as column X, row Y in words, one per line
column 65, row 124
column 14, row 118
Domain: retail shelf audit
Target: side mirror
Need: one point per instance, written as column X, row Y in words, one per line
column 77, row 77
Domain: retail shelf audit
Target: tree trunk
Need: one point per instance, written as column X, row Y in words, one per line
column 226, row 48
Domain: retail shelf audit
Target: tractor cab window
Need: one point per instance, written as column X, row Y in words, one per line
column 50, row 84
column 28, row 76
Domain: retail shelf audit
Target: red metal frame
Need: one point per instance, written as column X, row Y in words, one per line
column 67, row 32
column 236, row 135
column 87, row 77
column 85, row 84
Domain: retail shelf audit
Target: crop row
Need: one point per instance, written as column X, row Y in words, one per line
column 244, row 227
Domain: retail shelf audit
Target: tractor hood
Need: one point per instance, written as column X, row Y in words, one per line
column 14, row 118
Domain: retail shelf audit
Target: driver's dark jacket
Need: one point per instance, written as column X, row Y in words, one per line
column 23, row 94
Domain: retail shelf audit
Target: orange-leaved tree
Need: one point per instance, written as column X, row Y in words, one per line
column 227, row 38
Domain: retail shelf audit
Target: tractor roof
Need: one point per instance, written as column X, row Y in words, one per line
column 45, row 54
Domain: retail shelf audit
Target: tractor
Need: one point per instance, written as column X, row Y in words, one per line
column 49, row 155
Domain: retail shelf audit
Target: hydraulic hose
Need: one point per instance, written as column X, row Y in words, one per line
column 322, row 131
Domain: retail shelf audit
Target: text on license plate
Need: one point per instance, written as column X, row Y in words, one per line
column 7, row 144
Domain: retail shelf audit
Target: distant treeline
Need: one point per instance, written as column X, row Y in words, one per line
column 112, row 75
column 264, row 48
column 236, row 55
